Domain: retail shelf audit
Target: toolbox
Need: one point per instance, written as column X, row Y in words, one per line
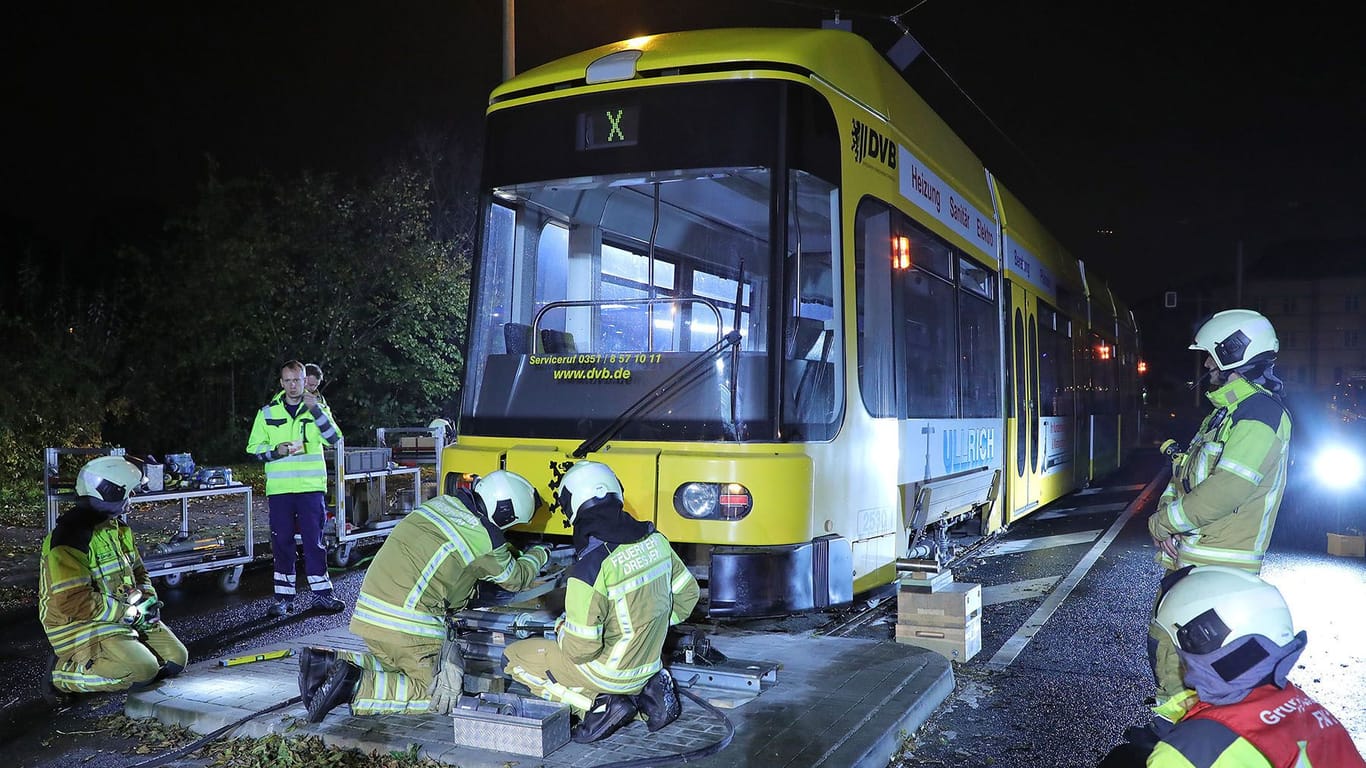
column 506, row 722
column 360, row 460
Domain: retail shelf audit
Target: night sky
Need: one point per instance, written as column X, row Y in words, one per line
column 1183, row 128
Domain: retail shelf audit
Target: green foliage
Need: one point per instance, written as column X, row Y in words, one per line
column 174, row 346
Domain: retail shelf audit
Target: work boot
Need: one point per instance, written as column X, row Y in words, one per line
column 609, row 712
column 327, row 603
column 280, row 607
column 337, row 689
column 313, row 666
column 54, row 696
column 659, row 701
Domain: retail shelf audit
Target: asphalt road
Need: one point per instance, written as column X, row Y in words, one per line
column 1062, row 671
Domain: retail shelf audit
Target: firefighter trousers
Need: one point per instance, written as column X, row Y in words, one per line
column 118, row 662
column 395, row 674
column 540, row 665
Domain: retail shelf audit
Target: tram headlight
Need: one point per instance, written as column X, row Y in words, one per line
column 456, row 481
column 713, row 501
column 1338, row 467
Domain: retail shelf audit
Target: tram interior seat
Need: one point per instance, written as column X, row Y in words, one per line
column 558, row 342
column 517, row 338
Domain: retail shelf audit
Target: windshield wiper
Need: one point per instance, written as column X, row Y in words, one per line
column 661, row 392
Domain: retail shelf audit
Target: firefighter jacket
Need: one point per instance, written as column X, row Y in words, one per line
column 89, row 569
column 619, row 603
column 1272, row 727
column 430, row 563
column 303, row 472
column 1226, row 488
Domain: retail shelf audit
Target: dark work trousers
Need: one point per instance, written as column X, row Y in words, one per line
column 304, row 513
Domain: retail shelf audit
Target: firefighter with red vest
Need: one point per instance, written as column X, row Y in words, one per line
column 1237, row 643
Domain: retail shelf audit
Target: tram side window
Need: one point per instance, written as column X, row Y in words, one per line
column 929, row 346
column 930, row 375
column 979, row 341
column 1055, row 362
column 872, row 238
column 1105, row 398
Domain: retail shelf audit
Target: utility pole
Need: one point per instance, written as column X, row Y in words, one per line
column 509, row 40
column 1237, row 277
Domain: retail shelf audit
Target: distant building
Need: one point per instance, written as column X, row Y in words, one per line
column 1315, row 295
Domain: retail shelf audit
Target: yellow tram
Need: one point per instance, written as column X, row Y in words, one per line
column 753, row 272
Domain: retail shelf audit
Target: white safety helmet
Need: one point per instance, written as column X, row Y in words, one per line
column 441, row 423
column 508, row 498
column 108, row 481
column 1237, row 337
column 585, row 485
column 1215, row 606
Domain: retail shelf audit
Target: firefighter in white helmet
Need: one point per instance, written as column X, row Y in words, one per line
column 1226, row 487
column 428, row 566
column 1234, row 634
column 96, row 601
column 626, row 588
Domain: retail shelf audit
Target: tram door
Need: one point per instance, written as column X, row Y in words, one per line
column 1022, row 395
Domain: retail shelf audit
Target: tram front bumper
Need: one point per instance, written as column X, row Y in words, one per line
column 778, row 580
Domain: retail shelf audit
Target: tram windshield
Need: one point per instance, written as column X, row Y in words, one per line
column 592, row 292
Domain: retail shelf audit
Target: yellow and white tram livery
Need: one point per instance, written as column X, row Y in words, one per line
column 755, row 274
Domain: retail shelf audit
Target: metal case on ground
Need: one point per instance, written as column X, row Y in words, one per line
column 506, row 722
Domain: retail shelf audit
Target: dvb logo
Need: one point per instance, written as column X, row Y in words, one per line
column 866, row 142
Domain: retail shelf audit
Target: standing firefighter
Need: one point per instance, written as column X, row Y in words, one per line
column 428, row 566
column 288, row 435
column 95, row 600
column 626, row 588
column 1221, row 504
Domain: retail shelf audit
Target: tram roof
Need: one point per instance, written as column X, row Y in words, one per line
column 840, row 57
column 849, row 63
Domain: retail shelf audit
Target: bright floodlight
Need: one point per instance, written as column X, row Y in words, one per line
column 1338, row 467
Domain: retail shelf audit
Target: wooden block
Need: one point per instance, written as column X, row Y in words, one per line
column 917, row 581
column 953, row 604
column 958, row 644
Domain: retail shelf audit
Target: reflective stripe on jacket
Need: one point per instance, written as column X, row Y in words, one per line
column 1226, row 489
column 619, row 604
column 430, row 560
column 89, row 566
column 303, row 472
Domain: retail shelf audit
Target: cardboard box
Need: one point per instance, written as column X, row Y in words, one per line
column 506, row 722
column 1346, row 546
column 953, row 606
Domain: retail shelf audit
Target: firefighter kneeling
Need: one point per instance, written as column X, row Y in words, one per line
column 625, row 588
column 96, row 602
column 427, row 566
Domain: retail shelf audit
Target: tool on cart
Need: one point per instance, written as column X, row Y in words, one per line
column 179, row 467
column 210, row 477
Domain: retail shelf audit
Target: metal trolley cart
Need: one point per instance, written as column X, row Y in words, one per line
column 184, row 553
column 361, row 507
